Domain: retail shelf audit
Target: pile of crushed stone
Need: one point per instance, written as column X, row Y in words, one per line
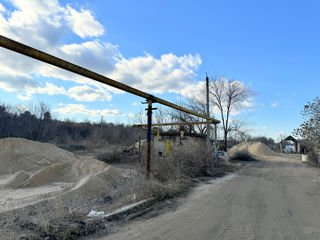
column 250, row 151
column 25, row 164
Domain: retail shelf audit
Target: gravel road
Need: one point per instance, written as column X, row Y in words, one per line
column 275, row 198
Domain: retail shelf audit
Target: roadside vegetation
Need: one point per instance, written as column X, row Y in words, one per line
column 309, row 130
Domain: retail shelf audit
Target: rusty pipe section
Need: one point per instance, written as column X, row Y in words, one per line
column 47, row 58
column 169, row 124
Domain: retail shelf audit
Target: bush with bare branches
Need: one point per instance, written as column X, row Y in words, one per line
column 186, row 163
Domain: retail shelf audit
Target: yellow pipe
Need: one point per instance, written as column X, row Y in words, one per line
column 47, row 58
column 169, row 124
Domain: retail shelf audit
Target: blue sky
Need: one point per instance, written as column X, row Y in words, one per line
column 163, row 47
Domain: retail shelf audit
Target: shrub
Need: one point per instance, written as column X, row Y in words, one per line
column 186, row 163
column 110, row 157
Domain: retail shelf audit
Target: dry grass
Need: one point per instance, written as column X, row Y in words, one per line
column 185, row 164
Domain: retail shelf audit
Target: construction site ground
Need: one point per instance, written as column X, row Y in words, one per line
column 47, row 193
column 277, row 197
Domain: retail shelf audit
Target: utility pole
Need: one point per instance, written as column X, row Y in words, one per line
column 208, row 113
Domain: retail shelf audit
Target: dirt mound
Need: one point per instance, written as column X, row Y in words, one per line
column 17, row 180
column 35, row 164
column 95, row 186
column 21, row 154
column 66, row 172
column 42, row 170
column 250, row 151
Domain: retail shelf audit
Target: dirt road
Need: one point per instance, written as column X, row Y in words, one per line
column 276, row 198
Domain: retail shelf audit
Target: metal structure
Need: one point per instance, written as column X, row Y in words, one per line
column 168, row 124
column 60, row 63
column 144, row 126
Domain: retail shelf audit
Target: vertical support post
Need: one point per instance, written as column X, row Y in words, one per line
column 208, row 114
column 139, row 130
column 215, row 137
column 149, row 113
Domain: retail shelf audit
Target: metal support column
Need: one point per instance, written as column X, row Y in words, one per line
column 215, row 137
column 139, row 131
column 149, row 113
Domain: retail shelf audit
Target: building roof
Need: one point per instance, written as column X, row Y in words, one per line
column 290, row 138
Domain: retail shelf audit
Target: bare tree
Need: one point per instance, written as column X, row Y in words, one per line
column 43, row 114
column 238, row 129
column 196, row 105
column 227, row 96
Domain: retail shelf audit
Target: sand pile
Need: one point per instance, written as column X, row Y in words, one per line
column 27, row 164
column 66, row 172
column 21, row 154
column 250, row 151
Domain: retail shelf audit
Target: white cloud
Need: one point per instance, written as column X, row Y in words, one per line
column 235, row 113
column 88, row 94
column 51, row 89
column 72, row 109
column 94, row 55
column 107, row 112
column 247, row 104
column 274, row 105
column 197, row 91
column 264, row 127
column 80, row 93
column 215, row 110
column 83, row 23
column 134, row 104
column 131, row 115
column 11, row 83
column 169, row 73
column 23, row 98
column 252, row 129
column 34, row 22
column 48, row 21
column 45, row 23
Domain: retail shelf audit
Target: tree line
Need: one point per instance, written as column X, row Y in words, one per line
column 36, row 123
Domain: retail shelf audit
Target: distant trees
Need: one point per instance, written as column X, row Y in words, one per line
column 309, row 130
column 5, row 125
column 36, row 123
column 265, row 140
